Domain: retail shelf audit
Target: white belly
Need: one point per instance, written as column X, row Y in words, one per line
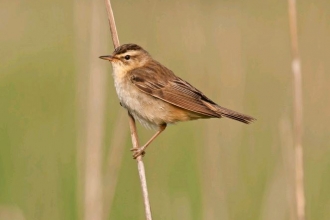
column 149, row 111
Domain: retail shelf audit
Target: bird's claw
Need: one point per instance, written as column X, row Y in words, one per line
column 138, row 152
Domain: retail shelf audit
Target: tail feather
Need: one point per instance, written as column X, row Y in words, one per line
column 224, row 112
column 235, row 115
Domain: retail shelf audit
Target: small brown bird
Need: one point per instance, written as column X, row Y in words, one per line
column 155, row 96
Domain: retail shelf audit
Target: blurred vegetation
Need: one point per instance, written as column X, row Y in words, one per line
column 237, row 52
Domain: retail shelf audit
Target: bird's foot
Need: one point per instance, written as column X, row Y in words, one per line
column 138, row 152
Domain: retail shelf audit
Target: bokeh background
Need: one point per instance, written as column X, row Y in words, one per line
column 64, row 139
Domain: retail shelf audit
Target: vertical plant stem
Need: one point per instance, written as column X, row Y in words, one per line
column 96, row 96
column 297, row 119
column 132, row 124
column 112, row 24
column 142, row 175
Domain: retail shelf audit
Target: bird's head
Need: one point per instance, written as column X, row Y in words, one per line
column 127, row 57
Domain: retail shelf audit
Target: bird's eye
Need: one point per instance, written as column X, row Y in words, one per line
column 127, row 57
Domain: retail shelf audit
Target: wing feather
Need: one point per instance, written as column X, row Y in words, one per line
column 161, row 83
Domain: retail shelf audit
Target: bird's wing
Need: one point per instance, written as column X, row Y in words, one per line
column 163, row 84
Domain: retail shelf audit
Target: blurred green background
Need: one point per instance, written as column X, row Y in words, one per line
column 64, row 139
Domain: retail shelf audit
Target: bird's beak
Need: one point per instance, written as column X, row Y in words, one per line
column 107, row 57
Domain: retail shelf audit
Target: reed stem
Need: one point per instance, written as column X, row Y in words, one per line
column 298, row 113
column 132, row 124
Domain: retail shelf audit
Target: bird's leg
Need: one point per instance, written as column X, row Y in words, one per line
column 140, row 151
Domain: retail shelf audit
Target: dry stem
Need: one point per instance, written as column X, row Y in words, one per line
column 96, row 90
column 112, row 24
column 132, row 124
column 297, row 120
column 135, row 142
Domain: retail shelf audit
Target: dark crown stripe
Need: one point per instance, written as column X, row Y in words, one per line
column 126, row 47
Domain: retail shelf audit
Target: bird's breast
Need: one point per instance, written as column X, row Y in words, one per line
column 151, row 112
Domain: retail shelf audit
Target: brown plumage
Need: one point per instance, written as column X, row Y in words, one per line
column 180, row 93
column 155, row 96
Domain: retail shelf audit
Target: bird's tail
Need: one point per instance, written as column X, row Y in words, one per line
column 235, row 115
column 224, row 112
